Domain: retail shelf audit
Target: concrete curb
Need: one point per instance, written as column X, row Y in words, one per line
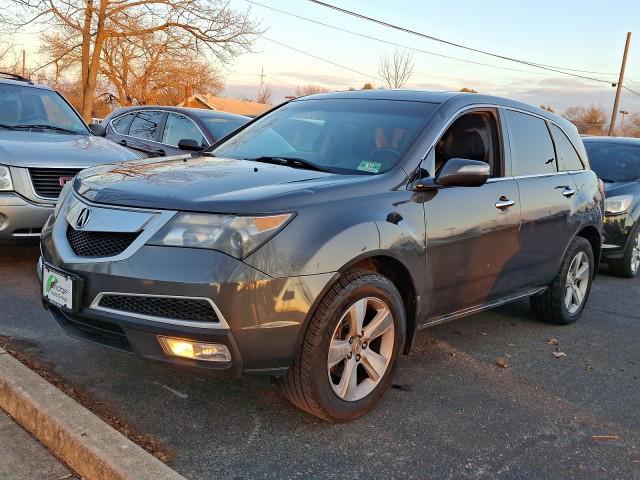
column 75, row 435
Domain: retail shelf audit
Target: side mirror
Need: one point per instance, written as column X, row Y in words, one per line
column 461, row 172
column 97, row 129
column 189, row 144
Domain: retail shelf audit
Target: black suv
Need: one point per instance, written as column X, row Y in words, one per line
column 316, row 240
column 616, row 161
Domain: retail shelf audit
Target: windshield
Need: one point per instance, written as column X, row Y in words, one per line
column 340, row 135
column 24, row 107
column 220, row 127
column 616, row 162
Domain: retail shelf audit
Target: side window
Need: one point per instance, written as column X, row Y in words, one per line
column 474, row 136
column 121, row 124
column 531, row 146
column 568, row 158
column 146, row 125
column 178, row 127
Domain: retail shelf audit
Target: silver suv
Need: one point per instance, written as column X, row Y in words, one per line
column 43, row 144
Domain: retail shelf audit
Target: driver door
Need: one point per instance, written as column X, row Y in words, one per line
column 472, row 232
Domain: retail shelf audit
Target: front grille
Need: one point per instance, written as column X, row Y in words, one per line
column 193, row 309
column 99, row 244
column 46, row 181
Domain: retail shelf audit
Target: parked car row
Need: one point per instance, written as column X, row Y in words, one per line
column 313, row 242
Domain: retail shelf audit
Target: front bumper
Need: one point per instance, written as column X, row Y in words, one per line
column 263, row 316
column 616, row 232
column 20, row 218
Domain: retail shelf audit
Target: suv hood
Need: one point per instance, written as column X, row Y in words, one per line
column 204, row 184
column 43, row 149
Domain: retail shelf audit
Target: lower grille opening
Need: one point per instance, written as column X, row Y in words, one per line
column 191, row 309
column 97, row 331
column 99, row 244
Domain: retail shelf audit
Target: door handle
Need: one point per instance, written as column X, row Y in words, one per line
column 160, row 152
column 503, row 203
column 123, row 142
column 568, row 192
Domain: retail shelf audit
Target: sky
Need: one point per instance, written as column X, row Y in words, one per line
column 583, row 35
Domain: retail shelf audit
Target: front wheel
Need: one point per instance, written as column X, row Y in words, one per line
column 563, row 302
column 629, row 265
column 347, row 357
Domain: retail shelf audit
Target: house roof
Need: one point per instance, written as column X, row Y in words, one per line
column 231, row 105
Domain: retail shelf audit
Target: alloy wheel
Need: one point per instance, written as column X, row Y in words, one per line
column 577, row 282
column 635, row 254
column 361, row 348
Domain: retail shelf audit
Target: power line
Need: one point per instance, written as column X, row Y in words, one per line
column 319, row 58
column 393, row 43
column 542, row 66
column 630, row 90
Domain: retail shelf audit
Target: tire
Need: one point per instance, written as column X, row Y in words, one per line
column 629, row 265
column 317, row 385
column 553, row 305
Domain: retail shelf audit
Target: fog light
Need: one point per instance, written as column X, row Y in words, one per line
column 209, row 352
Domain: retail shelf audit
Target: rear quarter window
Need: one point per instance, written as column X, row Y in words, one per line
column 568, row 158
column 531, row 146
column 121, row 124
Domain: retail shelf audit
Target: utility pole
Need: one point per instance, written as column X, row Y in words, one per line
column 623, row 113
column 262, row 75
column 616, row 103
column 24, row 61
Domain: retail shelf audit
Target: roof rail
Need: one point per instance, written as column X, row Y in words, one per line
column 13, row 76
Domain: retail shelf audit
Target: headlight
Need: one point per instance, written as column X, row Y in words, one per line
column 617, row 204
column 64, row 193
column 237, row 236
column 5, row 179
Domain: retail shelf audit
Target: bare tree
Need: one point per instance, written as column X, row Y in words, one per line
column 590, row 120
column 82, row 28
column 396, row 68
column 265, row 94
column 548, row 108
column 310, row 89
column 8, row 57
column 468, row 90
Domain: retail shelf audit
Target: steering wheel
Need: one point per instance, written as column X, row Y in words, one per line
column 384, row 154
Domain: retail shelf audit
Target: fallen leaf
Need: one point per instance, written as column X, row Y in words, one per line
column 637, row 461
column 507, row 355
column 484, row 334
column 553, row 341
column 559, row 354
column 511, row 344
column 502, row 362
column 605, row 437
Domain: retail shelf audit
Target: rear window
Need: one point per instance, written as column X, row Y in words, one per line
column 614, row 162
column 342, row 135
column 531, row 146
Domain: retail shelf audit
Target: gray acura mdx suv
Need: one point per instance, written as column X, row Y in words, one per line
column 43, row 144
column 315, row 241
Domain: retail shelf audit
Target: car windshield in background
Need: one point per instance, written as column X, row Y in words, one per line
column 220, row 126
column 614, row 162
column 341, row 136
column 31, row 108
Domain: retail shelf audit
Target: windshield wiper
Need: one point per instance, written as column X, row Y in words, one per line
column 8, row 127
column 607, row 180
column 47, row 127
column 293, row 162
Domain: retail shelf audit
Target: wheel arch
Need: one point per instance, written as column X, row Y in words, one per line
column 592, row 235
column 400, row 276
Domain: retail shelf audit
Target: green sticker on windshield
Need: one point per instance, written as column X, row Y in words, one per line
column 366, row 166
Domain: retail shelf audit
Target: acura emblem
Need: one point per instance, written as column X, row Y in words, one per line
column 83, row 218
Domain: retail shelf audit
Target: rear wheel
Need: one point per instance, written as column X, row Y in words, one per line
column 629, row 265
column 347, row 357
column 562, row 303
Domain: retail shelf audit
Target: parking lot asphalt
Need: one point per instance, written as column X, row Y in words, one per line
column 453, row 412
